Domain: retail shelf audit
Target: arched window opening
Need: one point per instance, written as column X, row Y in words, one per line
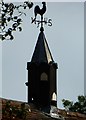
column 44, row 77
column 54, row 96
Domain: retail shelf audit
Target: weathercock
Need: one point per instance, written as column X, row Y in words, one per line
column 39, row 11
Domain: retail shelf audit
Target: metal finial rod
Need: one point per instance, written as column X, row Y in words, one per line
column 42, row 29
column 41, row 20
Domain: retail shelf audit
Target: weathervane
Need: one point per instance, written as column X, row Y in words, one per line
column 39, row 11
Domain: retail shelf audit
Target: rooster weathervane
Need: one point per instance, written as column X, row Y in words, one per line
column 39, row 11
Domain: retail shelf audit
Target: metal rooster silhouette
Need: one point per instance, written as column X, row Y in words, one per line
column 39, row 11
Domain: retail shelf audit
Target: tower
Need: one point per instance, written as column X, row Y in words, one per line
column 41, row 74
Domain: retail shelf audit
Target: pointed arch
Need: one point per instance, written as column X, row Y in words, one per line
column 44, row 77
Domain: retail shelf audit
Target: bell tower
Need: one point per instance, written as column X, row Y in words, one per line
column 41, row 72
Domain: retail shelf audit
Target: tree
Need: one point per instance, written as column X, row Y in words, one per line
column 9, row 20
column 67, row 104
column 79, row 106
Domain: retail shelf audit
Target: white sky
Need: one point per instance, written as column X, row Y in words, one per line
column 66, row 42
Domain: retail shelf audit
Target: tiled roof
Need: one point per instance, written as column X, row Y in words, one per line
column 0, row 109
column 34, row 114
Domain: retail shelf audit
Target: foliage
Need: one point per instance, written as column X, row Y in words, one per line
column 10, row 14
column 79, row 106
column 67, row 104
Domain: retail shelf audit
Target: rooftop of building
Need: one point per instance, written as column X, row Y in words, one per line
column 32, row 112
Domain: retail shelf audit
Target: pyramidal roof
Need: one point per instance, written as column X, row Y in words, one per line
column 42, row 52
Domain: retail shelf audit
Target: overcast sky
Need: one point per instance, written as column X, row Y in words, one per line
column 66, row 43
